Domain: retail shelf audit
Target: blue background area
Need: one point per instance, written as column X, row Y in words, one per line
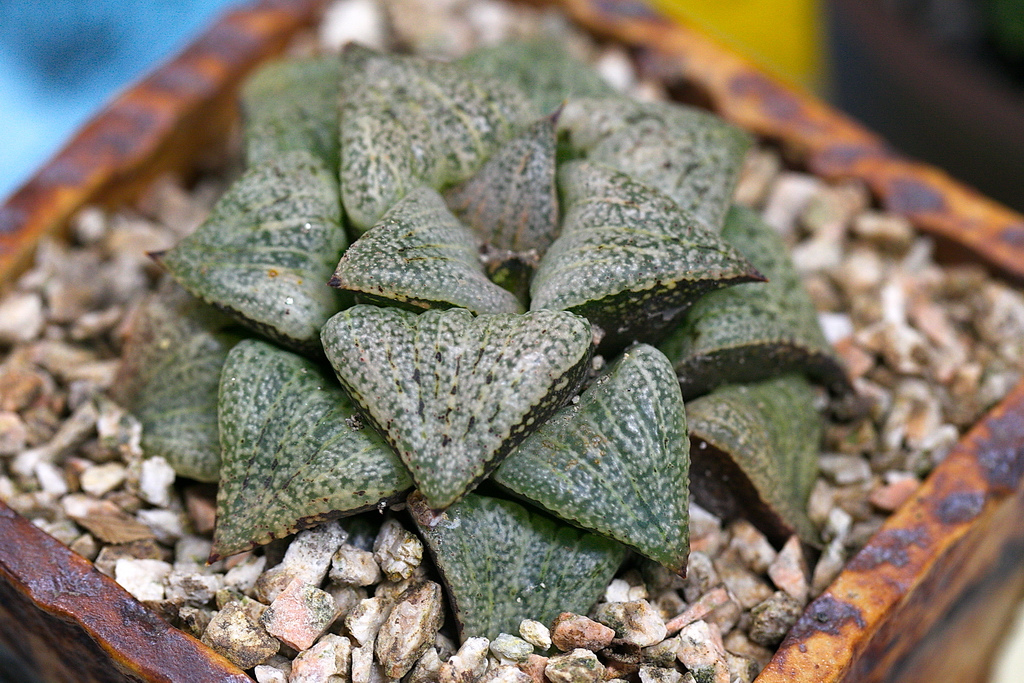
column 61, row 60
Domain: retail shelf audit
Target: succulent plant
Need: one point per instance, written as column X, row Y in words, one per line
column 508, row 219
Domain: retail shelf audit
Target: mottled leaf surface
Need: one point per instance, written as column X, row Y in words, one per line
column 502, row 564
column 542, row 68
column 511, row 202
column 692, row 156
column 752, row 331
column 755, row 451
column 628, row 258
column 408, row 121
column 292, row 105
column 169, row 374
column 616, row 462
column 452, row 393
column 267, row 250
column 294, row 452
column 421, row 256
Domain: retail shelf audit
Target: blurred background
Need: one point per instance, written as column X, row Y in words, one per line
column 942, row 80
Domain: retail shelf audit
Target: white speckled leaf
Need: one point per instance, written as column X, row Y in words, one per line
column 692, row 156
column 420, row 256
column 294, row 451
column 628, row 258
column 511, row 202
column 542, row 68
column 408, row 121
column 755, row 451
column 616, row 462
column 292, row 105
column 267, row 250
column 169, row 373
column 502, row 564
column 452, row 393
column 752, row 331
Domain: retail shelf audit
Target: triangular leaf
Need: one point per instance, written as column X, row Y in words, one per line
column 420, row 255
column 511, row 202
column 692, row 156
column 268, row 248
column 628, row 258
column 407, row 121
column 503, row 564
column 753, row 331
column 169, row 374
column 452, row 393
column 294, row 451
column 292, row 105
column 616, row 462
column 542, row 68
column 755, row 452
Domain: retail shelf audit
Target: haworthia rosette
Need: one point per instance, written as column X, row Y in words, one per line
column 752, row 331
column 453, row 394
column 628, row 258
column 168, row 378
column 408, row 121
column 755, row 451
column 420, row 256
column 267, row 250
column 294, row 451
column 542, row 68
column 616, row 461
column 292, row 105
column 511, row 202
column 503, row 564
column 692, row 156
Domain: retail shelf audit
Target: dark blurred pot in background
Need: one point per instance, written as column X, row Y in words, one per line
column 943, row 80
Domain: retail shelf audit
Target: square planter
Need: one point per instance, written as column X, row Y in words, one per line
column 927, row 598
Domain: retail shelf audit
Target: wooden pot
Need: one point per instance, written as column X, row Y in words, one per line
column 926, row 599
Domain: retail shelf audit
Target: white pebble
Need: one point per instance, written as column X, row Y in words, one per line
column 21, row 318
column 535, row 633
column 101, row 479
column 616, row 68
column 155, row 481
column 50, row 478
column 836, row 326
column 360, row 21
column 142, row 578
column 397, row 551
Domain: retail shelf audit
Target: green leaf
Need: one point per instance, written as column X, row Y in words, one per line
column 616, row 462
column 292, row 105
column 752, row 331
column 168, row 378
column 629, row 259
column 692, row 156
column 407, row 121
column 294, row 451
column 511, row 202
column 453, row 394
column 542, row 68
column 267, row 250
column 754, row 451
column 420, row 255
column 503, row 564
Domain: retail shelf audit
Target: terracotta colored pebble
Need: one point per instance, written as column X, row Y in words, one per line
column 571, row 631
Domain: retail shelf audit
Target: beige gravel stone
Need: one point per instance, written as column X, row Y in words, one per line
column 308, row 558
column 365, row 619
column 235, row 635
column 426, row 669
column 578, row 666
column 397, row 551
column 328, row 661
column 505, row 673
column 702, row 652
column 299, row 615
column 745, row 586
column 468, row 664
column 409, row 629
column 751, row 545
column 789, row 571
column 354, row 566
column 535, row 633
column 772, row 619
column 571, row 631
column 706, row 604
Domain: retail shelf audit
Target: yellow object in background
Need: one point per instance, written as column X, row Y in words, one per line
column 783, row 36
